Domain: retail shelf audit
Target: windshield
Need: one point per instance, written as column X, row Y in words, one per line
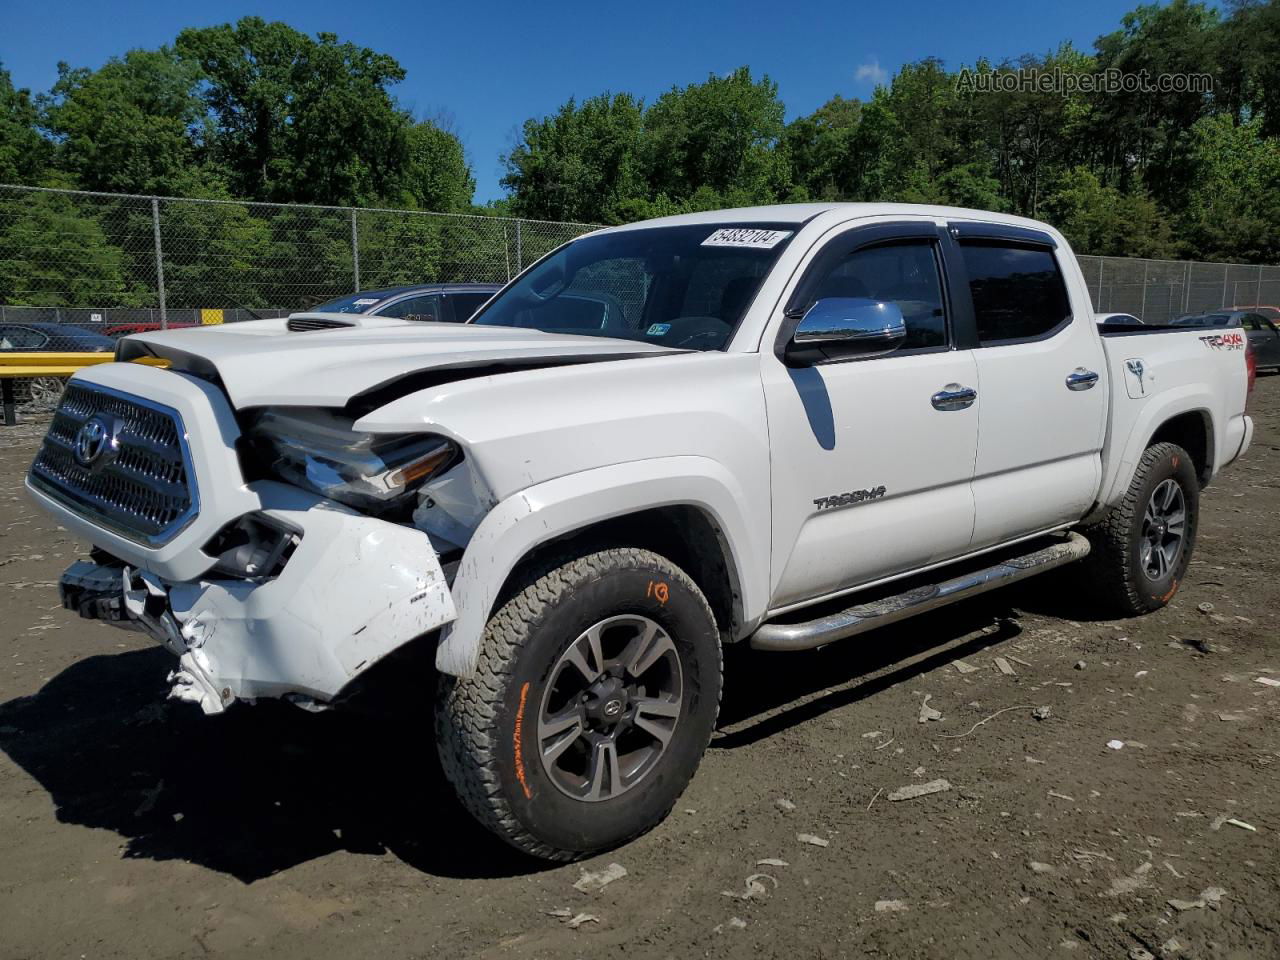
column 685, row 287
column 351, row 303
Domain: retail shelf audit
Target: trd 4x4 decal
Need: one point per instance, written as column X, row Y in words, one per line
column 1224, row 341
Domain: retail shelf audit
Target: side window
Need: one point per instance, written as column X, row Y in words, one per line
column 1018, row 291
column 21, row 338
column 465, row 304
column 419, row 308
column 904, row 273
column 1252, row 322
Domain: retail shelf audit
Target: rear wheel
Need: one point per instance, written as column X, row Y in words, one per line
column 1142, row 548
column 596, row 694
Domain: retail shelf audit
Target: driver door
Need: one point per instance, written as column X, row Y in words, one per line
column 873, row 458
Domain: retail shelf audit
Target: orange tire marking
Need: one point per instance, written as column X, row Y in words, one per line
column 660, row 591
column 517, row 741
column 1172, row 590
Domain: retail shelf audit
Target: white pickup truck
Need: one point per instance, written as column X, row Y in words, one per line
column 780, row 426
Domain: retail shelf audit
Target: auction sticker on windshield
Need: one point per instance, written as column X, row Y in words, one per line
column 746, row 237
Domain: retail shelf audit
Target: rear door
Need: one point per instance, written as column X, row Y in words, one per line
column 872, row 458
column 1041, row 380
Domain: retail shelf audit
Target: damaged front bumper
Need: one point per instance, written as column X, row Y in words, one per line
column 353, row 589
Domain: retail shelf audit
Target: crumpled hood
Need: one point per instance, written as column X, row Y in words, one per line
column 262, row 362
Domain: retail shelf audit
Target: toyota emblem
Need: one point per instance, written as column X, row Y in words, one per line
column 96, row 442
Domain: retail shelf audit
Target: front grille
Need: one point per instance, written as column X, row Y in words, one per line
column 144, row 489
column 303, row 324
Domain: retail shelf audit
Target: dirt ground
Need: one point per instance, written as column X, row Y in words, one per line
column 131, row 827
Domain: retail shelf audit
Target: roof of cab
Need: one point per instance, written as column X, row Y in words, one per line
column 801, row 213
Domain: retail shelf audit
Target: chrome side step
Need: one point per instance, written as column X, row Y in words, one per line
column 867, row 616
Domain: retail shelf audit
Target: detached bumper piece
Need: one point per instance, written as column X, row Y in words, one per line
column 95, row 592
column 352, row 590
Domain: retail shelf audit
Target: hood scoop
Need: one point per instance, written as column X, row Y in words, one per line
column 304, row 324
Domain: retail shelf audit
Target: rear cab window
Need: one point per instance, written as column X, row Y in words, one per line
column 1018, row 291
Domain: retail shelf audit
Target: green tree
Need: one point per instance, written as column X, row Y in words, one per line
column 581, row 163
column 1032, row 136
column 395, row 248
column 214, row 254
column 1146, row 135
column 1233, row 206
column 436, row 175
column 817, row 146
column 1248, row 83
column 24, row 153
column 1101, row 220
column 52, row 255
column 132, row 126
column 297, row 119
column 714, row 143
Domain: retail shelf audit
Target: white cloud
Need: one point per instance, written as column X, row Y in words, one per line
column 872, row 72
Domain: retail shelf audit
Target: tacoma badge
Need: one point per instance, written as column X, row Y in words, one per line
column 852, row 498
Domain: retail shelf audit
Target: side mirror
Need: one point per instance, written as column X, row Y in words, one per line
column 845, row 328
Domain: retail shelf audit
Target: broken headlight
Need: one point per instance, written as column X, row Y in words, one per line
column 319, row 451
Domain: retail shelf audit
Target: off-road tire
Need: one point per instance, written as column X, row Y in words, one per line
column 1113, row 569
column 485, row 723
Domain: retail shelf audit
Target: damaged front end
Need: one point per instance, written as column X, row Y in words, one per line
column 350, row 590
column 287, row 583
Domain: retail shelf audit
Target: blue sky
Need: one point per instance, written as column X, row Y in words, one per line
column 488, row 66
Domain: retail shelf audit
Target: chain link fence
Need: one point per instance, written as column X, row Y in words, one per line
column 78, row 269
column 1159, row 291
column 99, row 266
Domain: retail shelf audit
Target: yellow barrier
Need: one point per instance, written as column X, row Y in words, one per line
column 59, row 364
column 14, row 366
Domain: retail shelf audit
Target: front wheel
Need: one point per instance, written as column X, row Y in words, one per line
column 1142, row 548
column 596, row 693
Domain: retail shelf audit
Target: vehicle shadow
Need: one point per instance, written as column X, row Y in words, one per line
column 267, row 787
column 766, row 693
column 257, row 790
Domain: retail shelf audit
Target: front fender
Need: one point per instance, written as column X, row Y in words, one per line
column 574, row 502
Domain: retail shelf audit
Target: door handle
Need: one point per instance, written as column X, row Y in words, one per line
column 1081, row 379
column 954, row 397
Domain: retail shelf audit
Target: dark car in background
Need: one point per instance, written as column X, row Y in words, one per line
column 1268, row 312
column 445, row 302
column 1263, row 333
column 43, row 392
column 53, row 337
column 1264, row 338
column 1212, row 318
